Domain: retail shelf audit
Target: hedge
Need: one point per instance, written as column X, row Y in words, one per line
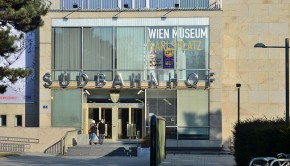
column 260, row 137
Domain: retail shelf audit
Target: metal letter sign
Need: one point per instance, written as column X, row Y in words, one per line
column 153, row 81
column 192, row 80
column 47, row 80
column 82, row 80
column 118, row 80
column 173, row 80
column 136, row 80
column 64, row 80
column 100, row 80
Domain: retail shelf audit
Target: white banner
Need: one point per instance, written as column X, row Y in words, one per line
column 23, row 90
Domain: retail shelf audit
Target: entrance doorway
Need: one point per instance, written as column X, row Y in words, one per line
column 103, row 113
column 129, row 122
column 121, row 122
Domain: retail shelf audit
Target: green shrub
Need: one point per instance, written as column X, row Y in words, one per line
column 260, row 137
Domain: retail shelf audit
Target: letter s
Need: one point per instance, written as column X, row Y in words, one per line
column 47, row 79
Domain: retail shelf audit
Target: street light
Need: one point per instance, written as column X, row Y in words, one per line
column 238, row 85
column 261, row 45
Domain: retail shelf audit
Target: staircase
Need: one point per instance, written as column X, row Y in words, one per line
column 107, row 149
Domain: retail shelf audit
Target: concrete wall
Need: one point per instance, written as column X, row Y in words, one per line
column 47, row 136
column 28, row 112
column 261, row 72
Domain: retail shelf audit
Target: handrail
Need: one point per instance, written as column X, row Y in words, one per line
column 66, row 141
column 61, row 146
column 56, row 148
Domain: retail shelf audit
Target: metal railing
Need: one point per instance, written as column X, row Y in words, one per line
column 12, row 147
column 61, row 146
column 56, row 148
column 105, row 5
column 21, row 146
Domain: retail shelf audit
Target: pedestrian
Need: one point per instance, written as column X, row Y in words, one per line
column 92, row 132
column 101, row 129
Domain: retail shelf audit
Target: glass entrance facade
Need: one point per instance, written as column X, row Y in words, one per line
column 166, row 51
column 145, row 50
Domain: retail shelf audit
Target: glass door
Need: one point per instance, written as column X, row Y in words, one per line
column 129, row 122
column 120, row 122
column 123, row 122
column 136, row 119
column 102, row 113
column 106, row 114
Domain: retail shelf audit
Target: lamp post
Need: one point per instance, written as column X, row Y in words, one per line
column 261, row 45
column 238, row 85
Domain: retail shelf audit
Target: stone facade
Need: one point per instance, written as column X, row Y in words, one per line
column 234, row 31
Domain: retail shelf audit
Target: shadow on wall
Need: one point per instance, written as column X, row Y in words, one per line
column 201, row 126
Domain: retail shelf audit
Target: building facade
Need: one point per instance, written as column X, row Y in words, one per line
column 126, row 60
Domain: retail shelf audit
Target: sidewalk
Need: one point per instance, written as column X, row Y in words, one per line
column 199, row 160
column 38, row 159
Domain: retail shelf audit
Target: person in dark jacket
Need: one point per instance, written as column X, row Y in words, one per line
column 101, row 129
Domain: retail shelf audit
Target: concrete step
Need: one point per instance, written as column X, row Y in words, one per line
column 109, row 149
column 83, row 139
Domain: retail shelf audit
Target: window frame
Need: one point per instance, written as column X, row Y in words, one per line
column 3, row 124
column 18, row 120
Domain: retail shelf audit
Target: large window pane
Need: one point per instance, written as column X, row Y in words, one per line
column 130, row 50
column 67, row 48
column 66, row 51
column 66, row 108
column 192, row 115
column 160, row 50
column 161, row 47
column 98, row 51
column 163, row 103
column 193, row 46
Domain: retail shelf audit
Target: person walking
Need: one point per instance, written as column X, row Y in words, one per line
column 92, row 132
column 101, row 129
